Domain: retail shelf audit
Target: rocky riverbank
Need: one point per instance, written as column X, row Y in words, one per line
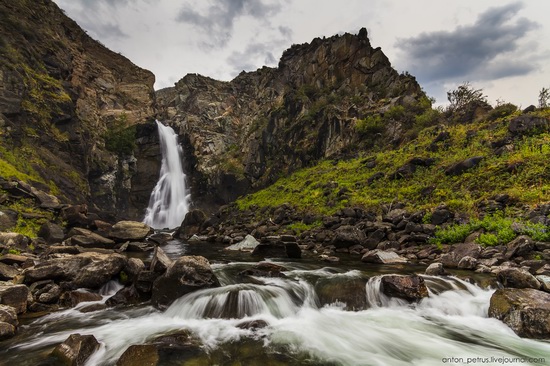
column 74, row 253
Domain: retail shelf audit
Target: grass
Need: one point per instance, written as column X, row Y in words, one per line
column 522, row 173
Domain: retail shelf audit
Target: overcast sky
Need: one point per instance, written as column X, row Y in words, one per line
column 500, row 46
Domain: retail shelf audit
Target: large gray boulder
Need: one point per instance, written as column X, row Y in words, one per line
column 187, row 274
column 129, row 231
column 526, row 311
column 347, row 236
column 58, row 269
column 383, row 257
column 15, row 296
column 517, row 278
column 459, row 251
column 100, row 270
column 408, row 287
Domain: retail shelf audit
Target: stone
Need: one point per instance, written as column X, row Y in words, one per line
column 462, row 166
column 7, row 272
column 544, row 282
column 100, row 270
column 75, row 215
column 383, row 257
column 519, row 247
column 144, row 283
column 277, row 250
column 6, row 330
column 129, row 231
column 185, row 275
column 89, row 239
column 8, row 315
column 408, row 287
column 76, row 349
column 264, row 269
column 15, row 296
column 435, row 269
column 133, row 267
column 8, row 219
column 124, row 296
column 45, row 200
column 246, row 245
column 459, row 251
column 440, row 216
column 51, row 232
column 58, row 269
column 349, row 291
column 191, row 224
column 528, row 125
column 525, row 311
column 160, row 262
column 139, row 355
column 73, row 298
column 467, row 262
column 13, row 259
column 517, row 278
column 48, row 294
column 347, row 236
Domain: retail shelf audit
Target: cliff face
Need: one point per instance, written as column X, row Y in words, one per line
column 241, row 135
column 67, row 107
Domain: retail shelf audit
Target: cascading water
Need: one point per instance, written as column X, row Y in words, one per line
column 169, row 200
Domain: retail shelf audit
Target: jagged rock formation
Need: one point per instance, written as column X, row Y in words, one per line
column 241, row 135
column 67, row 105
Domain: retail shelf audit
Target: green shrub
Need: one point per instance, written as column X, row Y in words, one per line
column 502, row 111
column 121, row 139
column 370, row 125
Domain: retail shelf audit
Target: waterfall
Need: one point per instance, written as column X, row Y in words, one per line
column 169, row 200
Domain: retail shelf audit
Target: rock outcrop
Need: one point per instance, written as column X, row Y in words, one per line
column 69, row 107
column 241, row 135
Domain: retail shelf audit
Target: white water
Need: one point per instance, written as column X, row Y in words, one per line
column 169, row 200
column 452, row 322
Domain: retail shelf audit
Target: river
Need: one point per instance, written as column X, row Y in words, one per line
column 304, row 323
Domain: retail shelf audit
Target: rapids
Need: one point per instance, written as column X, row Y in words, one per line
column 449, row 327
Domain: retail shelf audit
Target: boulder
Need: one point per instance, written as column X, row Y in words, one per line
column 8, row 219
column 347, row 236
column 463, row 166
column 15, row 296
column 191, row 224
column 45, row 200
column 185, row 275
column 11, row 259
column 520, row 247
column 440, row 216
column 350, row 291
column 8, row 315
column 265, row 269
column 75, row 215
column 51, row 232
column 517, row 278
column 383, row 257
column 435, row 269
column 528, row 125
column 76, row 349
column 160, row 262
column 408, row 287
column 459, row 251
column 88, row 239
column 58, row 269
column 100, row 270
column 246, row 245
column 129, row 231
column 49, row 294
column 526, row 311
column 467, row 262
column 6, row 330
column 544, row 282
column 7, row 272
column 73, row 298
column 133, row 267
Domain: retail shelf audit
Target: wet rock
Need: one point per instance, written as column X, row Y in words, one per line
column 100, row 269
column 6, row 330
column 8, row 315
column 124, row 296
column 459, row 251
column 350, row 291
column 411, row 288
column 7, row 272
column 347, row 236
column 160, row 262
column 467, row 262
column 51, row 232
column 277, row 250
column 187, row 274
column 383, row 257
column 526, row 311
column 129, row 231
column 191, row 224
column 15, row 296
column 144, row 283
column 58, row 269
column 435, row 269
column 137, row 355
column 246, row 245
column 519, row 247
column 517, row 278
column 265, row 269
column 76, row 349
column 253, row 324
column 73, row 298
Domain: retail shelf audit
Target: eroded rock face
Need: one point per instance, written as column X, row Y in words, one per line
column 187, row 274
column 526, row 311
column 240, row 135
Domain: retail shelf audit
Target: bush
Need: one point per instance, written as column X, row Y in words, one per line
column 370, row 125
column 121, row 139
column 463, row 95
column 502, row 111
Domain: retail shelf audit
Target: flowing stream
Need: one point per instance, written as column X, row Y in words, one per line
column 305, row 323
column 169, row 201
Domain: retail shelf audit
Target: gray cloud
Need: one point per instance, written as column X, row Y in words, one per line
column 218, row 20
column 474, row 51
column 255, row 55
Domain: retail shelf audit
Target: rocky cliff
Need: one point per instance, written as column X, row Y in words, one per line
column 68, row 109
column 242, row 135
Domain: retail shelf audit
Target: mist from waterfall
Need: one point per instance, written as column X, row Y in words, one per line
column 169, row 200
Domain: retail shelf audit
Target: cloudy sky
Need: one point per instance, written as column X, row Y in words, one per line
column 500, row 46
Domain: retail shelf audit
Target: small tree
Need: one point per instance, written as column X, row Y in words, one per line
column 465, row 94
column 544, row 98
